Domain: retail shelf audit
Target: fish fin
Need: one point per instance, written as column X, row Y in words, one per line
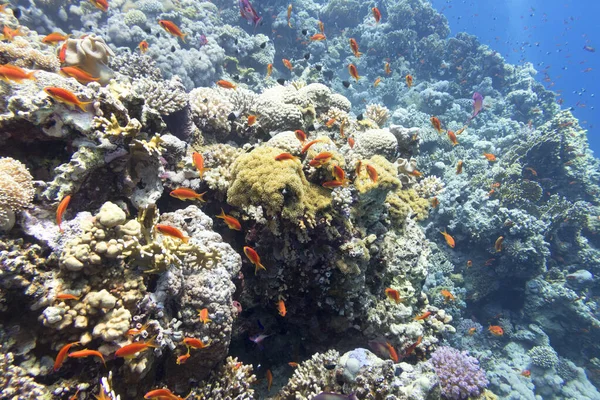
column 31, row 75
column 222, row 215
column 185, row 239
column 83, row 104
column 183, row 37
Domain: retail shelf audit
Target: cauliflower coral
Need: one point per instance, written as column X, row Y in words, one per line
column 460, row 375
column 16, row 190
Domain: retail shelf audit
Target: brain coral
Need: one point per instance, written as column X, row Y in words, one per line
column 16, row 190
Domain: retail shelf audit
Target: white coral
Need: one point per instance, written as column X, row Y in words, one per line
column 210, row 106
column 16, row 190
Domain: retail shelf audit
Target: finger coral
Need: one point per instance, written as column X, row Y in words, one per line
column 16, row 190
column 460, row 375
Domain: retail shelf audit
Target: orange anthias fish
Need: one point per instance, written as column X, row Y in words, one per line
column 472, row 331
column 183, row 358
column 254, row 258
column 459, row 167
column 437, row 125
column 416, row 173
column 449, row 239
column 251, row 120
column 269, row 70
column 490, row 157
column 62, row 355
column 317, row 37
column 100, row 4
column 194, row 343
column 351, row 142
column 342, row 127
column 376, row 14
column 132, row 349
column 452, row 138
column 65, row 96
column 231, row 222
column 143, row 46
column 269, row 376
column 388, row 68
column 281, row 308
column 498, row 244
column 461, row 130
column 321, row 159
column 79, row 74
column 67, row 296
column 372, row 173
column 161, row 394
column 321, row 26
column 333, row 184
column 377, row 82
column 225, row 84
column 330, row 122
column 287, row 64
column 293, row 364
column 435, row 202
column 289, row 15
column 9, row 33
column 62, row 207
column 136, row 331
column 300, row 135
column 393, row 294
column 496, row 330
column 423, row 316
column 353, row 72
column 16, row 74
column 198, row 161
column 187, row 194
column 172, row 232
column 87, row 353
column 533, row 171
column 354, row 48
column 308, row 145
column 392, row 351
column 469, row 263
column 285, row 156
column 172, row 29
column 448, row 296
column 54, row 37
column 338, row 173
column 409, row 81
column 203, row 315
column 526, row 373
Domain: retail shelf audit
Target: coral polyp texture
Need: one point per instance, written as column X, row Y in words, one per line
column 195, row 206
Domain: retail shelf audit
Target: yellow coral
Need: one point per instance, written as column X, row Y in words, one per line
column 387, row 176
column 280, row 187
column 402, row 203
column 16, row 190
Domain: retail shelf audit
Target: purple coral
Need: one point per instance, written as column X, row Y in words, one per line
column 460, row 375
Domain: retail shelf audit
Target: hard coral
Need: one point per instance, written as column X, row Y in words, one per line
column 91, row 54
column 229, row 381
column 460, row 375
column 16, row 190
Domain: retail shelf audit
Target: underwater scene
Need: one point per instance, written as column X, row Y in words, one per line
column 254, row 199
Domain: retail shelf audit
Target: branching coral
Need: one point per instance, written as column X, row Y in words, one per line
column 229, row 381
column 165, row 97
column 460, row 375
column 16, row 190
column 377, row 113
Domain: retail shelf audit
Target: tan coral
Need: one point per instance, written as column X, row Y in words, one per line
column 377, row 113
column 16, row 190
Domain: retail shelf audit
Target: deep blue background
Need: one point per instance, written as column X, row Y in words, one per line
column 548, row 33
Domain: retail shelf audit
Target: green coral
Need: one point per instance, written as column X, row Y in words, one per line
column 279, row 187
column 402, row 203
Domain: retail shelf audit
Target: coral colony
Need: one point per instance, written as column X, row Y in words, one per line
column 292, row 203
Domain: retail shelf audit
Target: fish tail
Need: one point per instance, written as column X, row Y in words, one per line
column 82, row 105
column 31, row 75
column 185, row 239
column 183, row 37
column 222, row 215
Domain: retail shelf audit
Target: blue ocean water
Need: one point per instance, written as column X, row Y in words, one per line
column 551, row 35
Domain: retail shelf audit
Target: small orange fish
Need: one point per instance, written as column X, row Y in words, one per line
column 161, row 394
column 251, row 120
column 293, row 364
column 393, row 294
column 376, row 14
column 435, row 202
column 377, row 82
column 342, row 126
column 372, row 173
column 54, row 38
column 409, row 81
column 388, row 68
column 416, row 173
column 308, row 145
column 469, row 263
column 62, row 54
column 198, row 161
column 449, row 239
column 448, row 296
column 392, row 351
column 203, row 314
column 172, row 29
column 231, row 222
column 351, row 142
column 533, row 171
column 254, row 258
column 338, row 173
column 269, row 376
column 354, row 48
column 289, row 16
column 100, row 4
column 490, row 157
column 496, row 330
column 437, row 125
column 413, row 346
column 423, row 316
column 79, row 74
column 9, row 33
column 136, row 331
column 300, row 135
column 489, row 262
column 76, row 395
column 269, row 70
column 459, row 167
column 194, row 343
column 172, row 232
column 358, row 168
column 498, row 244
column 353, row 72
column 62, row 355
column 285, row 156
column 66, row 96
column 321, row 26
column 67, row 296
column 143, row 46
column 526, row 373
column 317, row 37
column 472, row 331
column 452, row 138
column 330, row 122
column 332, row 184
column 287, row 64
column 187, row 194
column 225, row 84
column 62, row 207
column 321, row 159
column 16, row 74
column 183, row 358
column 281, row 308
column 461, row 130
column 87, row 353
column 132, row 349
